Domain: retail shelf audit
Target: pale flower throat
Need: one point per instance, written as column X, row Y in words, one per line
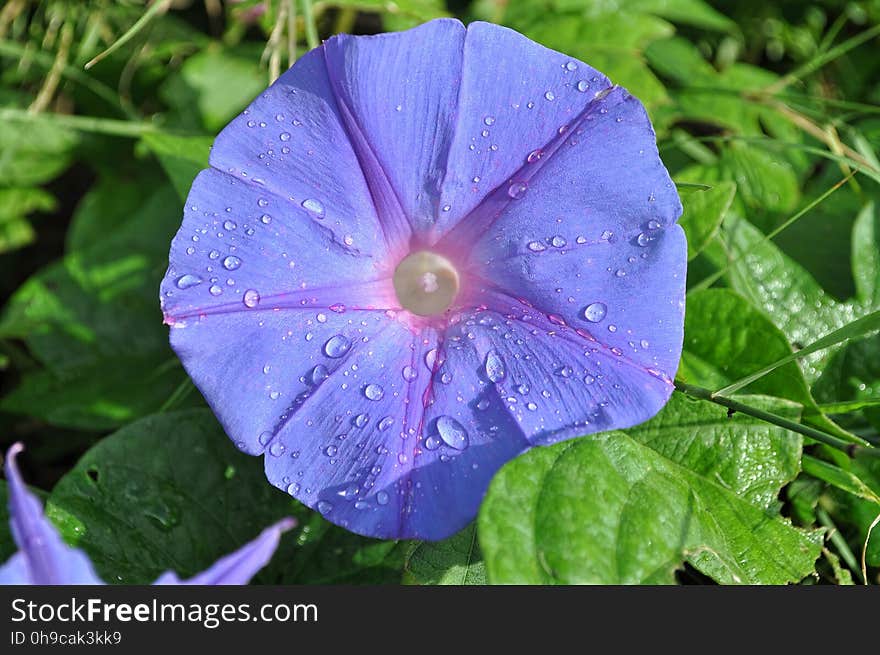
column 426, row 283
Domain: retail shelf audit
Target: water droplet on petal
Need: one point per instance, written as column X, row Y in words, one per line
column 558, row 241
column 336, row 346
column 595, row 312
column 409, row 373
column 229, row 225
column 583, row 86
column 284, row 136
column 382, row 498
column 276, row 449
column 494, row 366
column 231, row 263
column 251, row 298
column 432, row 442
column 314, row 207
column 215, row 290
column 550, row 95
column 264, row 438
column 385, row 423
column 319, row 374
column 517, row 190
column 331, row 450
column 187, row 281
column 571, row 66
column 489, row 120
column 361, row 420
column 324, row 507
column 534, row 156
column 452, row 432
column 536, row 246
column 374, row 392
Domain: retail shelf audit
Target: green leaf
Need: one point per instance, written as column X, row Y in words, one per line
column 703, row 213
column 182, row 157
column 87, row 314
column 774, row 283
column 609, row 510
column 727, row 339
column 839, row 478
column 15, row 205
column 453, row 561
column 29, row 157
column 765, row 181
column 690, row 485
column 172, row 492
column 866, row 254
column 857, row 328
column 215, row 84
column 102, row 396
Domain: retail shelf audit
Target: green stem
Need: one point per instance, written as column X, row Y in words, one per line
column 850, row 449
column 312, row 38
column 109, row 126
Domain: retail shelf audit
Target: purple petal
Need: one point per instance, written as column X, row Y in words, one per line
column 401, row 89
column 239, row 567
column 43, row 558
column 515, row 95
column 391, row 445
column 608, row 262
column 291, row 147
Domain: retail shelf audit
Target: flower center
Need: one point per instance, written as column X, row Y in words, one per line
column 426, row 283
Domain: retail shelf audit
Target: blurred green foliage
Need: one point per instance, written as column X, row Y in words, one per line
column 766, row 115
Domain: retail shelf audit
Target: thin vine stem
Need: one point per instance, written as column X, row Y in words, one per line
column 851, row 449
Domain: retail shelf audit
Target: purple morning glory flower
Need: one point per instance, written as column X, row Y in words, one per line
column 44, row 559
column 417, row 255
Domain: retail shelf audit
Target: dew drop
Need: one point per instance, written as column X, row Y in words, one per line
column 494, row 367
column 284, row 136
column 432, row 442
column 229, row 225
column 595, row 312
column 251, row 298
column 336, row 346
column 517, row 190
column 361, row 420
column 583, row 86
column 550, row 95
column 409, row 373
column 385, row 423
column 264, row 438
column 331, row 450
column 382, row 498
column 374, row 392
column 534, row 156
column 452, row 432
column 276, row 449
column 489, row 120
column 314, row 207
column 187, row 281
column 558, row 241
column 644, row 239
column 319, row 374
column 215, row 290
column 324, row 507
column 536, row 246
column 571, row 66
column 231, row 263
